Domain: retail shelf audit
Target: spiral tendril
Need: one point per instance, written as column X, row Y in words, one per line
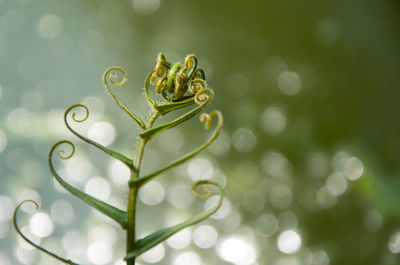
column 196, row 85
column 16, row 227
column 190, row 62
column 207, row 118
column 161, row 68
column 61, row 152
column 127, row 161
column 203, row 96
column 199, row 74
column 113, row 76
column 206, row 190
column 161, row 84
column 180, row 84
column 153, row 77
column 74, row 114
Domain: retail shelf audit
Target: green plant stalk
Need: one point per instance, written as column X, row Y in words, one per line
column 133, row 191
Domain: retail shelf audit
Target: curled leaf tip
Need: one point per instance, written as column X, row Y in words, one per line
column 114, row 213
column 113, row 75
column 74, row 114
column 203, row 96
column 197, row 85
column 206, row 190
column 127, row 161
column 35, row 203
column 190, row 62
column 162, row 65
column 61, row 153
column 44, row 250
column 207, row 119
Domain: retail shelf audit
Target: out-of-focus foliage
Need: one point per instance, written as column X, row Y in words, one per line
column 310, row 148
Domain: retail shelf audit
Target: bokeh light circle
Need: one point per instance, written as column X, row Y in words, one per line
column 205, row 236
column 50, row 26
column 41, row 224
column 394, row 243
column 186, row 258
column 244, row 140
column 102, row 132
column 289, row 242
column 100, row 253
column 236, row 250
column 289, row 83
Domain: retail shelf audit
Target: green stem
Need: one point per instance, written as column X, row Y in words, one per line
column 131, row 227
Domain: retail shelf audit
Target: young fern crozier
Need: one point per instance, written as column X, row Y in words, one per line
column 180, row 86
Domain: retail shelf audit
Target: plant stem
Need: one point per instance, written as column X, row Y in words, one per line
column 130, row 238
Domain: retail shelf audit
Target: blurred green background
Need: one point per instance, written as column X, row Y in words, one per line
column 309, row 151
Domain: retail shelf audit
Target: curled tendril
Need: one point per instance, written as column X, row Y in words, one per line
column 116, row 214
column 161, row 68
column 61, row 152
column 199, row 74
column 149, row 79
column 16, row 227
column 203, row 95
column 196, row 85
column 153, row 77
column 190, row 65
column 180, row 83
column 184, row 75
column 207, row 118
column 161, row 84
column 113, row 76
column 74, row 113
column 206, row 189
column 190, row 62
column 159, row 75
column 127, row 161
